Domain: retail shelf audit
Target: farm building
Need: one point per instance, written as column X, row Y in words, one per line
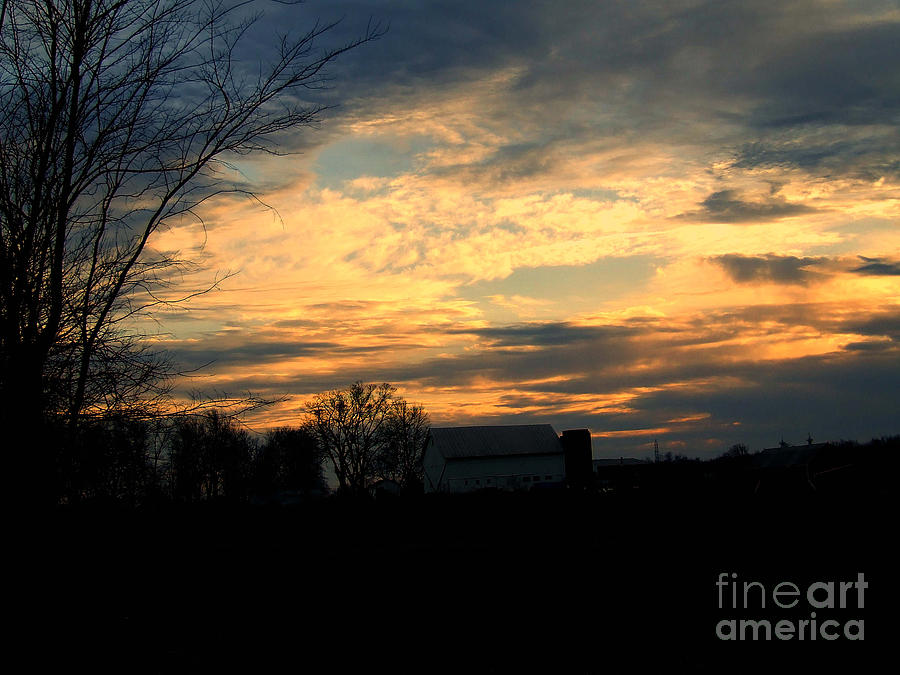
column 515, row 457
column 620, row 473
column 788, row 468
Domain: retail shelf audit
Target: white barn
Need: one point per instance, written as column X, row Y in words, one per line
column 515, row 457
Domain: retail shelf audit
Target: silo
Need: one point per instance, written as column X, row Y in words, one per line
column 577, row 446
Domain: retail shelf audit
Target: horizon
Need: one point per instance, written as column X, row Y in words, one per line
column 672, row 223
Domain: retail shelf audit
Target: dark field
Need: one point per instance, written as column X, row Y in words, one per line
column 556, row 582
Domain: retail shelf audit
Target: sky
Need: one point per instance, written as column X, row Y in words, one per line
column 663, row 221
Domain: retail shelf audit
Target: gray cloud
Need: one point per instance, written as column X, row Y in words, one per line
column 547, row 334
column 248, row 351
column 880, row 325
column 868, row 158
column 845, row 75
column 847, row 396
column 878, row 267
column 715, row 74
column 869, row 346
column 508, row 164
column 295, row 323
column 726, row 206
column 769, row 268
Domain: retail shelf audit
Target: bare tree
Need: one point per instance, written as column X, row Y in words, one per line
column 117, row 118
column 349, row 425
column 406, row 433
column 111, row 459
column 209, row 457
column 736, row 451
column 289, row 459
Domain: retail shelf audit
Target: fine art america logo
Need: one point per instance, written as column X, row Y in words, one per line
column 821, row 623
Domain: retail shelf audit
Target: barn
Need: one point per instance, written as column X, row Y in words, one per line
column 511, row 457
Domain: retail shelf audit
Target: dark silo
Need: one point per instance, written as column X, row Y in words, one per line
column 577, row 446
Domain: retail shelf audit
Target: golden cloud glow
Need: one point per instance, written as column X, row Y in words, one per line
column 388, row 274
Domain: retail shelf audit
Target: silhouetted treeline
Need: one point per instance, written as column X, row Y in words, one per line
column 832, row 469
column 210, row 457
column 186, row 459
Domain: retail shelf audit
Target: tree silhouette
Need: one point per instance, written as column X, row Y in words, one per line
column 289, row 459
column 210, row 457
column 367, row 431
column 111, row 459
column 116, row 119
column 406, row 432
column 737, row 450
column 348, row 426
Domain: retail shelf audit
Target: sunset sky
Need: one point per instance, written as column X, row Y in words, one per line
column 672, row 221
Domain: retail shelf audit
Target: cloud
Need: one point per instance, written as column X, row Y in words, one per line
column 701, row 76
column 847, row 76
column 878, row 324
column 878, row 267
column 769, row 268
column 505, row 184
column 243, row 351
column 867, row 156
column 726, row 206
column 785, row 399
column 869, row 346
column 705, row 381
column 546, row 334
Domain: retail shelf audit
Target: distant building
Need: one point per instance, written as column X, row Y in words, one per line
column 787, row 468
column 515, row 457
column 619, row 473
column 385, row 487
column 788, row 456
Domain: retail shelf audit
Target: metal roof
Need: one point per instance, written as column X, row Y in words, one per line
column 496, row 441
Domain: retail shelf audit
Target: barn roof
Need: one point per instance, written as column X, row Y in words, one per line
column 496, row 441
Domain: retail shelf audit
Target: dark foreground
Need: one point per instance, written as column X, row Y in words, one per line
column 557, row 582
